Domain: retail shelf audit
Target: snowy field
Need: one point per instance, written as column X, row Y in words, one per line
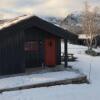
column 66, row 92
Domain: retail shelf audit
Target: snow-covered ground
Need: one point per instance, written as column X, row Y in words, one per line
column 66, row 92
column 36, row 78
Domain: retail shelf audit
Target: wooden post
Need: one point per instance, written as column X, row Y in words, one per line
column 65, row 50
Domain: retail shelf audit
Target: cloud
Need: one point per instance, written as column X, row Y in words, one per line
column 42, row 7
column 49, row 7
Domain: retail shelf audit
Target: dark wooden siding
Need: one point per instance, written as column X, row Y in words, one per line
column 31, row 58
column 12, row 54
column 35, row 58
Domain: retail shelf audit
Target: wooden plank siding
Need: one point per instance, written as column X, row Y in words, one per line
column 12, row 55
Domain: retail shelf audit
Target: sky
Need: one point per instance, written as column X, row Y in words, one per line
column 57, row 8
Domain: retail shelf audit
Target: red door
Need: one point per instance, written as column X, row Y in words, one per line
column 50, row 51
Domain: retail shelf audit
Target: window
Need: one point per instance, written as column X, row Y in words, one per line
column 31, row 46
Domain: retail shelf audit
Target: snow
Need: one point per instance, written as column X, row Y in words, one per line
column 14, row 21
column 36, row 78
column 9, row 22
column 66, row 92
column 83, row 36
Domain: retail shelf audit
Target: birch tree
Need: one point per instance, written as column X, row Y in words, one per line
column 89, row 26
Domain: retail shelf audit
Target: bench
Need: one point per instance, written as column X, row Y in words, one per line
column 71, row 57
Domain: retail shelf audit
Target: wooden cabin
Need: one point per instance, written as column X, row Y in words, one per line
column 30, row 42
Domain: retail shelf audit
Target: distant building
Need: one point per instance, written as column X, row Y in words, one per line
column 82, row 39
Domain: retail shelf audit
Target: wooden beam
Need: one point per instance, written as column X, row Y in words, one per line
column 65, row 50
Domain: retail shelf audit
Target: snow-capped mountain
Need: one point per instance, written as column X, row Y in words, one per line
column 53, row 20
column 73, row 22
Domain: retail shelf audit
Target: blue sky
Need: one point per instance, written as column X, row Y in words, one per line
column 59, row 8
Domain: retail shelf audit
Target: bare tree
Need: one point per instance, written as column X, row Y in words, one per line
column 89, row 26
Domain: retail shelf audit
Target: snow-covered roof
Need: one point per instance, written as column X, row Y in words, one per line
column 32, row 20
column 83, row 36
column 14, row 21
column 57, row 25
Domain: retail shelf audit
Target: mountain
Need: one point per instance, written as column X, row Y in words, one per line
column 3, row 21
column 73, row 22
column 54, row 20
